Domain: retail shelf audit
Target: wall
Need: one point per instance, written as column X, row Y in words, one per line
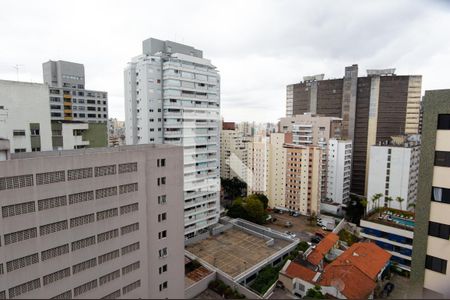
column 199, row 286
column 97, row 135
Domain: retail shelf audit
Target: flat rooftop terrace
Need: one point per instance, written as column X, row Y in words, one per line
column 394, row 218
column 235, row 251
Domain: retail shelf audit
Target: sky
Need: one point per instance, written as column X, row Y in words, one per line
column 259, row 47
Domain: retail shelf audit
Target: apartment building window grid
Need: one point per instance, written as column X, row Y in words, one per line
column 108, row 256
column 53, row 227
column 24, row 288
column 77, row 174
column 130, row 248
column 107, row 235
column 128, row 168
column 83, row 243
column 21, row 235
column 87, row 264
column 131, row 267
column 106, row 214
column 50, row 177
column 58, row 275
column 82, row 220
column 129, row 208
column 129, row 228
column 84, row 288
column 105, row 170
column 65, row 295
column 54, row 252
column 16, row 182
column 22, row 262
column 109, row 277
column 52, row 202
column 18, row 209
column 131, row 287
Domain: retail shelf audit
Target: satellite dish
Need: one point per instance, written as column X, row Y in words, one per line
column 338, row 284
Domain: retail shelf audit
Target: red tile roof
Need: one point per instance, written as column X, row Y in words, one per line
column 323, row 248
column 295, row 270
column 367, row 257
column 349, row 280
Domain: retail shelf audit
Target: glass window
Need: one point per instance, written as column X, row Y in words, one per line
column 443, row 122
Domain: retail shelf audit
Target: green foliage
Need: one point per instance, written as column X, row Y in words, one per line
column 263, row 198
column 315, row 293
column 348, row 237
column 234, row 187
column 250, row 208
column 265, row 279
column 355, row 209
column 302, row 246
column 224, row 290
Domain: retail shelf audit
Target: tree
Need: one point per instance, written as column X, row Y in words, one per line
column 388, row 200
column 263, row 198
column 315, row 293
column 234, row 187
column 237, row 209
column 255, row 210
column 376, row 199
column 364, row 203
column 400, row 200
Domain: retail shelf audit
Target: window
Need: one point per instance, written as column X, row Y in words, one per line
column 107, row 235
column 106, row 214
column 19, row 236
column 439, row 230
column 161, row 162
column 113, row 295
column 163, row 286
column 129, row 208
column 130, row 248
column 130, row 268
column 34, row 132
column 108, row 256
column 58, row 275
column 442, row 159
column 443, row 122
column 79, row 173
column 54, row 252
column 85, row 288
column 18, row 132
column 15, row 182
column 106, row 192
column 436, row 264
column 109, row 277
column 18, row 209
column 22, row 262
column 50, row 177
column 162, row 234
column 161, row 181
column 19, row 150
column 129, row 228
column 440, row 195
column 162, row 269
column 162, row 217
column 53, row 227
column 162, row 199
column 83, row 243
column 81, row 197
column 24, row 288
column 128, row 188
column 90, row 263
column 65, row 295
column 82, row 220
column 130, row 287
column 105, row 170
column 163, row 252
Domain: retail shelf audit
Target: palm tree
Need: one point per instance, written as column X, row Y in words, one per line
column 412, row 205
column 388, row 200
column 364, row 203
column 400, row 200
column 376, row 199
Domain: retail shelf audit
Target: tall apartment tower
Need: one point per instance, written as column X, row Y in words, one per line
column 339, row 170
column 394, row 172
column 92, row 223
column 172, row 96
column 430, row 272
column 73, row 108
column 372, row 108
column 233, row 153
column 257, row 160
column 25, row 123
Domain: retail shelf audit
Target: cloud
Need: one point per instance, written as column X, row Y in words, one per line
column 258, row 46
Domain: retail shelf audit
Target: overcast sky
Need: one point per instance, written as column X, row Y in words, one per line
column 258, row 46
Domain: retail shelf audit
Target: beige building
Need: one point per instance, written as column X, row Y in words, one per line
column 258, row 157
column 430, row 272
column 233, row 154
column 303, row 164
column 276, row 169
column 92, row 223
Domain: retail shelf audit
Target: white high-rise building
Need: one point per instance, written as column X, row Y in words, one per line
column 172, row 95
column 394, row 172
column 234, row 154
column 258, row 158
column 339, row 171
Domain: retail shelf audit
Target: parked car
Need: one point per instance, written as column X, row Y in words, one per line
column 295, row 214
column 291, row 234
column 315, row 240
column 288, row 224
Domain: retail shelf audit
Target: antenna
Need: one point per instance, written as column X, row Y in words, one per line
column 17, row 66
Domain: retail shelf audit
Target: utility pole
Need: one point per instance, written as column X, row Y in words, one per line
column 17, row 70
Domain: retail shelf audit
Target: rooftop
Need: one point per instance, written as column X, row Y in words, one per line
column 234, row 251
column 400, row 219
column 323, row 248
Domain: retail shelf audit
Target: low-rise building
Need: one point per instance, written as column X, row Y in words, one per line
column 393, row 233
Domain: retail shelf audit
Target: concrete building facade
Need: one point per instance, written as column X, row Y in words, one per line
column 25, row 116
column 258, row 158
column 394, row 172
column 276, row 169
column 172, row 96
column 234, row 154
column 373, row 108
column 92, row 223
column 430, row 273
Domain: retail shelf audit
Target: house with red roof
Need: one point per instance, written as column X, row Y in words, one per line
column 352, row 275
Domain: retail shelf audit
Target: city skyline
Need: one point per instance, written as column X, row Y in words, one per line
column 249, row 51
